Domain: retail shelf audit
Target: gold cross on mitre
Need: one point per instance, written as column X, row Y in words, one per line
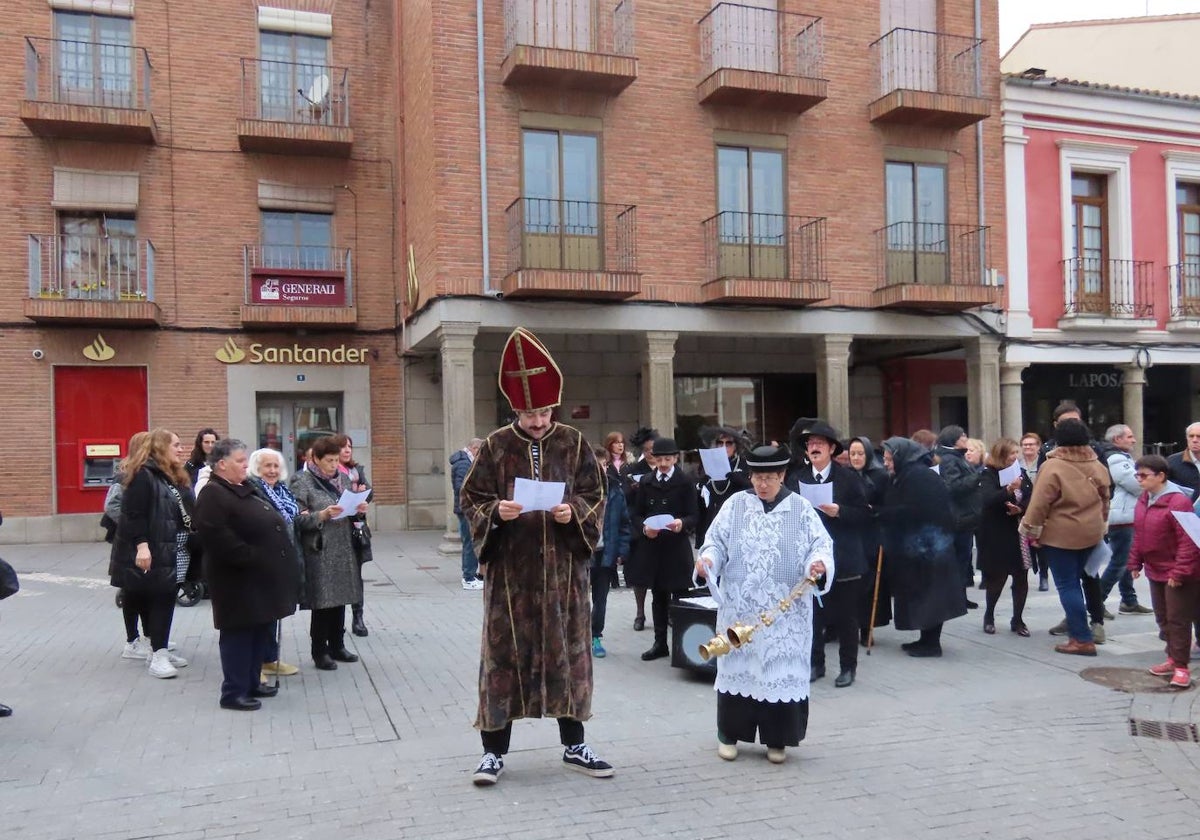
column 523, row 371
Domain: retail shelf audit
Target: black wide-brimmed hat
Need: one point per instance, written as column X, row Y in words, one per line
column 664, row 446
column 768, row 458
column 822, row 429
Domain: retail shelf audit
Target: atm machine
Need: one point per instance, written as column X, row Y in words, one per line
column 98, row 462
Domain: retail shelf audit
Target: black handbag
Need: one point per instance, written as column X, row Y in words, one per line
column 9, row 585
column 360, row 535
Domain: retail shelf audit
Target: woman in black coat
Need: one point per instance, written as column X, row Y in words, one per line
column 661, row 560
column 996, row 538
column 918, row 547
column 151, row 547
column 874, row 474
column 252, row 572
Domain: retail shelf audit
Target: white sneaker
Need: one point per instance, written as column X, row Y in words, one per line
column 177, row 661
column 160, row 665
column 139, row 648
column 472, row 584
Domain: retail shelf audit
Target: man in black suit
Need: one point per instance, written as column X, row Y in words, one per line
column 661, row 560
column 845, row 520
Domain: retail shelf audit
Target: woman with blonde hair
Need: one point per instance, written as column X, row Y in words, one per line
column 996, row 538
column 150, row 549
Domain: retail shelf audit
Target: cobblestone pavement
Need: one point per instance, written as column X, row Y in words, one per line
column 1000, row 738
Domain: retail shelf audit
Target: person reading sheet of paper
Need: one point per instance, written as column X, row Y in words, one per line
column 350, row 501
column 716, row 462
column 817, row 494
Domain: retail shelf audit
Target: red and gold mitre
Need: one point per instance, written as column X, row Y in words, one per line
column 529, row 378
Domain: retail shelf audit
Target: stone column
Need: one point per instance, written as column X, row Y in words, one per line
column 983, row 387
column 832, row 354
column 658, row 382
column 456, row 340
column 1133, row 387
column 1011, row 414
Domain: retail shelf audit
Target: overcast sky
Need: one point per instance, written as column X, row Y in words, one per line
column 1017, row 15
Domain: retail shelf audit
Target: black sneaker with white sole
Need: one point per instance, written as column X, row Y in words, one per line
column 581, row 758
column 489, row 770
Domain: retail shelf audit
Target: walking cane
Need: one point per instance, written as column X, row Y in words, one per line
column 874, row 602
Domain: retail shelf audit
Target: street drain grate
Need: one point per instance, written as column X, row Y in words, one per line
column 1164, row 730
column 1129, row 680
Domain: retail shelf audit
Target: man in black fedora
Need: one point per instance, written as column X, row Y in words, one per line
column 661, row 559
column 845, row 519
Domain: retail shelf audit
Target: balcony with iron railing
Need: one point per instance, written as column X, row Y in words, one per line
column 298, row 285
column 929, row 79
column 761, row 58
column 86, row 90
column 291, row 108
column 577, row 44
column 1106, row 292
column 932, row 266
column 764, row 258
column 91, row 279
column 1184, row 278
column 571, row 249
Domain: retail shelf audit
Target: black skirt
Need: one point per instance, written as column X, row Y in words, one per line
column 776, row 724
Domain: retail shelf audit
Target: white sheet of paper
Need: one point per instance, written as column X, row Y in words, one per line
column 1010, row 474
column 1190, row 523
column 659, row 522
column 818, row 494
column 538, row 495
column 715, row 461
column 350, row 501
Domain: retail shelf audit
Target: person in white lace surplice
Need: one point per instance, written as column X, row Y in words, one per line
column 762, row 543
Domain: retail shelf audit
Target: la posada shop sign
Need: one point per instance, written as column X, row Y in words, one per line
column 257, row 353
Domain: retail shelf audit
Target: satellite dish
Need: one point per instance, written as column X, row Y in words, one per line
column 318, row 90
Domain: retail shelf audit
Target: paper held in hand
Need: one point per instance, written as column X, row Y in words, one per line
column 818, row 494
column 350, row 501
column 1190, row 523
column 659, row 521
column 715, row 461
column 1010, row 474
column 538, row 495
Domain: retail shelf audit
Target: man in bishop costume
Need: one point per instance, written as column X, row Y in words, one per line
column 536, row 658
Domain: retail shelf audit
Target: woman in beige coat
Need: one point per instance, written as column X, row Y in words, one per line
column 1066, row 519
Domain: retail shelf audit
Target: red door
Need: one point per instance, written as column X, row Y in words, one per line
column 94, row 404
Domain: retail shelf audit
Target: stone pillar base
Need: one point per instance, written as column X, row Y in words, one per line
column 451, row 544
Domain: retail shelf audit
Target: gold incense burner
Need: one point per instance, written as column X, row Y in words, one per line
column 741, row 633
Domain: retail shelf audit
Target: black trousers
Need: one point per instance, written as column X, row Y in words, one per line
column 133, row 610
column 570, row 733
column 660, row 613
column 840, row 611
column 328, row 630
column 242, row 652
column 601, row 581
column 1093, row 596
column 157, row 611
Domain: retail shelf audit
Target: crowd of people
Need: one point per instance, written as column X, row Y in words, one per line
column 263, row 543
column 896, row 538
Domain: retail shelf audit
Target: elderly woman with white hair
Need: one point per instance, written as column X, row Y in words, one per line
column 269, row 472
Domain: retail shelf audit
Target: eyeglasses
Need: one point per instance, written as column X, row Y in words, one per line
column 1142, row 476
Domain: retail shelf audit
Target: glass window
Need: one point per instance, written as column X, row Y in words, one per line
column 95, row 59
column 1089, row 205
column 716, row 401
column 916, row 207
column 561, row 178
column 98, row 255
column 298, row 240
column 1187, row 206
column 294, row 77
column 751, row 195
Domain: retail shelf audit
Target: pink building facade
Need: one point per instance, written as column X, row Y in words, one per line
column 1103, row 189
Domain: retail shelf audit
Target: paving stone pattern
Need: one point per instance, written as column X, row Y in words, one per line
column 999, row 739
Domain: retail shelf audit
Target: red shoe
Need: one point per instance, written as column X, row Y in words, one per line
column 1182, row 679
column 1165, row 669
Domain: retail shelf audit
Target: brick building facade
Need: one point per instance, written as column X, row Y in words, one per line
column 177, row 179
column 708, row 211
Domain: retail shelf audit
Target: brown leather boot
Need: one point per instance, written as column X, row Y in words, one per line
column 1077, row 648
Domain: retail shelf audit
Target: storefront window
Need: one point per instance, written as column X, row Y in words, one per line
column 716, row 401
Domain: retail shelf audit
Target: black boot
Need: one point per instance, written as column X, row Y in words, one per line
column 659, row 650
column 357, row 626
column 338, row 652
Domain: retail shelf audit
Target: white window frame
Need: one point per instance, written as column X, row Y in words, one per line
column 1180, row 166
column 1113, row 161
